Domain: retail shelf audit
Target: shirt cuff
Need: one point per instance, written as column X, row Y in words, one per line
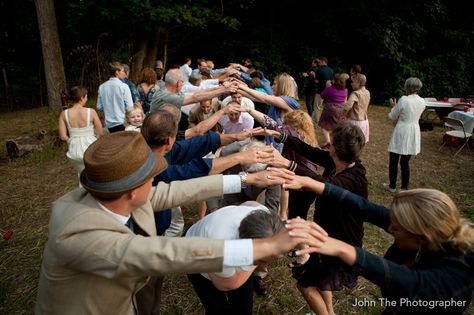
column 231, row 184
column 238, row 253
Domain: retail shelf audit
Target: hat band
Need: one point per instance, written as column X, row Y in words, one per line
column 127, row 182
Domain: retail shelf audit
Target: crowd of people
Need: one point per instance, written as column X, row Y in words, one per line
column 246, row 151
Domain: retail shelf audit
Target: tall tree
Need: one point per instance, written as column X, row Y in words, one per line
column 52, row 57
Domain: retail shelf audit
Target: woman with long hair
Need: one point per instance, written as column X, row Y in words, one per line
column 429, row 267
column 300, row 125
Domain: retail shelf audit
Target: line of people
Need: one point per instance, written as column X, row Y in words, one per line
column 107, row 250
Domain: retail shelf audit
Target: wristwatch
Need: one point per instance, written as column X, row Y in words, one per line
column 243, row 179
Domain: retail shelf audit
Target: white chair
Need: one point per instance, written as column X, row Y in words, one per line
column 454, row 100
column 430, row 99
column 457, row 132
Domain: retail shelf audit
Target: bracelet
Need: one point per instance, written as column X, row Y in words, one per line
column 283, row 137
column 243, row 179
column 293, row 166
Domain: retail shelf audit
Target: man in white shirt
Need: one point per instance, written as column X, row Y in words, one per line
column 186, row 69
column 231, row 290
column 114, row 98
column 235, row 122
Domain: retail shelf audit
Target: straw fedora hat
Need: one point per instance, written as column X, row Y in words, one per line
column 117, row 163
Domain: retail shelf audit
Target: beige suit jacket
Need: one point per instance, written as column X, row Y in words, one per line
column 196, row 115
column 93, row 264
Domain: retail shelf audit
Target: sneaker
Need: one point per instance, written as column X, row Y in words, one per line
column 388, row 188
column 260, row 286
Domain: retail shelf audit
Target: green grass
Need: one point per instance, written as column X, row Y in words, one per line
column 32, row 182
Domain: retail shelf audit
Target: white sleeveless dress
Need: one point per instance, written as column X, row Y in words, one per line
column 79, row 141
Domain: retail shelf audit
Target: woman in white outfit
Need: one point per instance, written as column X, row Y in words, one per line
column 405, row 140
column 79, row 126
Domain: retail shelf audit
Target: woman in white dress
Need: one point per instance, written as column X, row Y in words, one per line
column 405, row 140
column 79, row 126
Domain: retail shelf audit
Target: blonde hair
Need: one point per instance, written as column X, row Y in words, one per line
column 284, row 84
column 433, row 215
column 302, row 123
column 133, row 110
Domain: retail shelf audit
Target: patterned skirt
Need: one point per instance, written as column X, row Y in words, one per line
column 331, row 116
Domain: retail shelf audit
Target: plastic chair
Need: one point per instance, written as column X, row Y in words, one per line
column 427, row 119
column 457, row 132
column 461, row 106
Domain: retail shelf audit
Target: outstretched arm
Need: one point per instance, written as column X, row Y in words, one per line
column 196, row 97
column 369, row 211
column 250, row 156
column 264, row 98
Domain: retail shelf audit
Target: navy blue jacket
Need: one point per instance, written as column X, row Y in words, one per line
column 185, row 161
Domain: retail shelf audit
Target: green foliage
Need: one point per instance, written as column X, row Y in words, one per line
column 441, row 80
column 391, row 40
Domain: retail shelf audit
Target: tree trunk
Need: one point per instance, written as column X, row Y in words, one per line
column 144, row 55
column 165, row 48
column 152, row 50
column 53, row 60
column 136, row 63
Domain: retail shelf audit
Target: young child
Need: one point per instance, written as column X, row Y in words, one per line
column 79, row 126
column 134, row 119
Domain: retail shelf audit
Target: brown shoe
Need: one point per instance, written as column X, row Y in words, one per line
column 259, row 286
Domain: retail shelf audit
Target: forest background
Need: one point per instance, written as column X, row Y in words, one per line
column 391, row 40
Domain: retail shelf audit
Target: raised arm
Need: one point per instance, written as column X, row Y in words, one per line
column 250, row 156
column 205, row 125
column 264, row 120
column 316, row 155
column 371, row 212
column 264, row 98
column 196, row 97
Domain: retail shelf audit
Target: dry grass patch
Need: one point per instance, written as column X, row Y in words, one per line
column 31, row 183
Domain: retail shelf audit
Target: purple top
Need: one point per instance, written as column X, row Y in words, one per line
column 331, row 95
column 289, row 153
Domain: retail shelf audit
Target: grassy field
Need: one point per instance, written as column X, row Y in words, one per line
column 32, row 182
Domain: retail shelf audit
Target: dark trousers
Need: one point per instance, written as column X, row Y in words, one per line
column 116, row 128
column 393, row 169
column 309, row 99
column 299, row 203
column 149, row 297
column 216, row 302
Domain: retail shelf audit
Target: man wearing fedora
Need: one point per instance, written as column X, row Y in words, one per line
column 102, row 243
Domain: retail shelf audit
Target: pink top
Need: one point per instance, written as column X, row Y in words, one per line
column 331, row 95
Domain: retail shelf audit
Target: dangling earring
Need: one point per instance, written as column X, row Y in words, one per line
column 417, row 256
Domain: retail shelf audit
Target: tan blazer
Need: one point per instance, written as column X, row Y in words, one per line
column 196, row 115
column 93, row 264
